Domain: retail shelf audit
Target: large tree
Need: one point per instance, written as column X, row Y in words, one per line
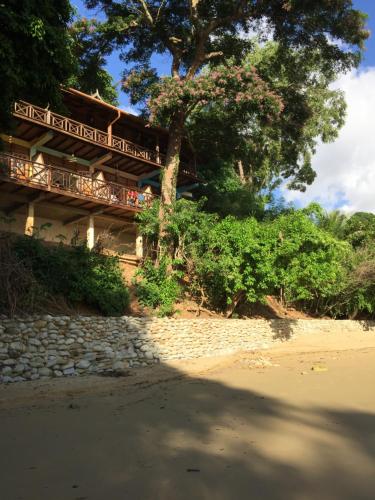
column 195, row 32
column 35, row 52
column 261, row 153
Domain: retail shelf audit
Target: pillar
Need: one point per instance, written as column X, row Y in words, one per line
column 30, row 219
column 91, row 233
column 138, row 245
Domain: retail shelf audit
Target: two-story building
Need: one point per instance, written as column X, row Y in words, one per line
column 82, row 175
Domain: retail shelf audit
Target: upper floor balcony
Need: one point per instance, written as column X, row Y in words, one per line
column 71, row 127
column 96, row 137
column 22, row 171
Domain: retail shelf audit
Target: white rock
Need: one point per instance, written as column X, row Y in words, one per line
column 68, row 365
column 83, row 364
column 69, row 371
column 9, row 362
column 44, row 372
column 34, row 342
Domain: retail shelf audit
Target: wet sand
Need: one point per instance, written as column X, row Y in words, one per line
column 261, row 425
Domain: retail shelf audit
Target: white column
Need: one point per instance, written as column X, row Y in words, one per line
column 91, row 233
column 29, row 226
column 138, row 245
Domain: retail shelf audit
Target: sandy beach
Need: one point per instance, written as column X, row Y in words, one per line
column 295, row 422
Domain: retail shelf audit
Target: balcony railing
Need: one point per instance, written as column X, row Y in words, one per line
column 62, row 123
column 68, row 183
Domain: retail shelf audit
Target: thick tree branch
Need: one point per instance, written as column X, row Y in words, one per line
column 211, row 55
column 147, row 12
column 203, row 35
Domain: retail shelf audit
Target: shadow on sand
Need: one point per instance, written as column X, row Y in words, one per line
column 184, row 438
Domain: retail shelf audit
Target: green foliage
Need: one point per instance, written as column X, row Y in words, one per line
column 35, row 53
column 89, row 51
column 360, row 229
column 289, row 253
column 308, row 262
column 263, row 153
column 77, row 274
column 157, row 288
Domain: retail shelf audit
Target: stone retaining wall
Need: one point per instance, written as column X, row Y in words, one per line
column 56, row 346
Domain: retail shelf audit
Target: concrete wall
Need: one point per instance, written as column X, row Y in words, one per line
column 46, row 346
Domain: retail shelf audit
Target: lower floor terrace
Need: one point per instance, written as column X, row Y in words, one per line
column 62, row 205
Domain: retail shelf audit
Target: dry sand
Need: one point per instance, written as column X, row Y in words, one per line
column 251, row 426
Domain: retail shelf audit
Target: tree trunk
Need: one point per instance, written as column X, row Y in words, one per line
column 241, row 172
column 169, row 180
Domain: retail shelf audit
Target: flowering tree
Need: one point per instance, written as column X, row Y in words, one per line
column 199, row 32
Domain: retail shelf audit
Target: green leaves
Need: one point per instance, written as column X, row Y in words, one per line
column 76, row 274
column 35, row 53
column 290, row 254
column 157, row 288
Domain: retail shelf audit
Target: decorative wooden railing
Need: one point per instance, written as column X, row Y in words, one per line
column 62, row 123
column 63, row 181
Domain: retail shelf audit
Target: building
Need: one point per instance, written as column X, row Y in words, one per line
column 86, row 173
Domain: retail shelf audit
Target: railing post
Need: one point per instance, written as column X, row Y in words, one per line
column 138, row 244
column 91, row 233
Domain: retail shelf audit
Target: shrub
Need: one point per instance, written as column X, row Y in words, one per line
column 76, row 273
column 157, row 288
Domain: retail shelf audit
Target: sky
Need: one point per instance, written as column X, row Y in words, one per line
column 346, row 168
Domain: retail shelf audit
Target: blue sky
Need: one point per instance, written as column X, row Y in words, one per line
column 346, row 168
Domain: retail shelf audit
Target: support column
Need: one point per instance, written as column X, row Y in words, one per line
column 139, row 245
column 30, row 219
column 91, row 233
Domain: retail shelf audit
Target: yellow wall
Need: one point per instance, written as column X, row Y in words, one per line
column 119, row 241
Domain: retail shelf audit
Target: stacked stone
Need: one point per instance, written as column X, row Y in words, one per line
column 56, row 346
column 33, row 348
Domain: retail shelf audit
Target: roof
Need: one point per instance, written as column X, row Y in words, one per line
column 129, row 116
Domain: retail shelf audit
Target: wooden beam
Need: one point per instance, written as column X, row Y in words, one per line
column 14, row 140
column 32, row 199
column 42, row 139
column 99, row 161
column 22, row 200
column 78, row 218
column 111, row 170
column 59, row 154
column 149, row 175
column 86, row 163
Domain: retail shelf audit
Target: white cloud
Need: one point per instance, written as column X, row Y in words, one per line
column 346, row 168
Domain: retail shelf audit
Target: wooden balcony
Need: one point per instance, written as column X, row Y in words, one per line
column 84, row 132
column 65, row 182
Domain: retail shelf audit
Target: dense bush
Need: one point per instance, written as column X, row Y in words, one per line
column 76, row 274
column 157, row 288
column 291, row 255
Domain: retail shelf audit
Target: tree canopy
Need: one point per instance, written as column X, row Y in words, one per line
column 89, row 51
column 35, row 52
column 196, row 33
column 262, row 152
